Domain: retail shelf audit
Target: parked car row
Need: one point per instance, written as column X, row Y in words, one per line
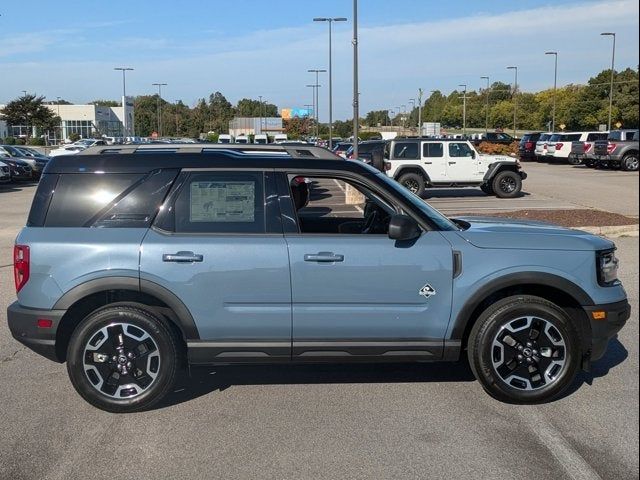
column 616, row 149
column 20, row 163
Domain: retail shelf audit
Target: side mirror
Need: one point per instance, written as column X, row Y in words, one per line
column 402, row 227
column 473, row 154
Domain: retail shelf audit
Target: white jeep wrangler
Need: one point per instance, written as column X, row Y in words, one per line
column 421, row 163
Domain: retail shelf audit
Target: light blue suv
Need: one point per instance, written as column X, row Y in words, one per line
column 138, row 259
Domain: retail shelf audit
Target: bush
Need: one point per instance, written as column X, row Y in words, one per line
column 39, row 142
column 212, row 137
column 9, row 141
column 74, row 137
column 369, row 136
column 497, row 149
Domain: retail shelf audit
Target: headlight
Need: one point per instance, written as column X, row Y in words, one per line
column 607, row 265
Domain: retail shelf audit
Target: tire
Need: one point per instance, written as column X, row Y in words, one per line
column 590, row 163
column 121, row 380
column 513, row 371
column 487, row 188
column 574, row 161
column 414, row 182
column 630, row 162
column 507, row 184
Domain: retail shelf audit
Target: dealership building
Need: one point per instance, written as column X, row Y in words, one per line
column 84, row 120
column 255, row 125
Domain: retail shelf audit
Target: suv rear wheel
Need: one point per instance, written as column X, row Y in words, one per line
column 122, row 358
column 524, row 349
column 630, row 162
column 414, row 182
column 507, row 184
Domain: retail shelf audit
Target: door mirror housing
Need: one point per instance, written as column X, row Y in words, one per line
column 402, row 227
column 473, row 154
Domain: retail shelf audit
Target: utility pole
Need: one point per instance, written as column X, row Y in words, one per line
column 159, row 106
column 613, row 59
column 356, row 94
column 486, row 105
column 464, row 109
column 555, row 83
column 330, row 21
column 419, row 112
column 515, row 100
column 125, row 129
column 412, row 101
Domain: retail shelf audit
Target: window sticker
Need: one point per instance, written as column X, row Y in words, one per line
column 222, row 201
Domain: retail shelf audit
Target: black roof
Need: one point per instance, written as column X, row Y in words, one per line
column 146, row 162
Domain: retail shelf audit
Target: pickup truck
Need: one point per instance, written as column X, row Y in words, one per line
column 620, row 150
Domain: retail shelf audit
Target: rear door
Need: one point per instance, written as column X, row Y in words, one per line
column 435, row 161
column 218, row 246
column 462, row 163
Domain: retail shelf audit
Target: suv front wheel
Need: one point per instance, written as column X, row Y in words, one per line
column 524, row 349
column 507, row 184
column 122, row 358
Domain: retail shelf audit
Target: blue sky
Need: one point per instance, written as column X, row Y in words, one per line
column 250, row 47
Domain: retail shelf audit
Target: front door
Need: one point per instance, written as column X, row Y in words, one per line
column 219, row 253
column 356, row 293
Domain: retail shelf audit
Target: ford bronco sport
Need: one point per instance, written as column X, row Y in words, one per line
column 137, row 259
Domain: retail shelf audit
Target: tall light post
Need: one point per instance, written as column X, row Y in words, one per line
column 515, row 102
column 419, row 112
column 315, row 87
column 330, row 21
column 464, row 109
column 356, row 93
column 555, row 84
column 159, row 106
column 316, row 95
column 486, row 105
column 389, row 114
column 124, row 99
column 412, row 101
column 613, row 59
column 260, row 112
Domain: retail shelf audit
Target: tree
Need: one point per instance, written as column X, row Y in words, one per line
column 30, row 111
column 105, row 103
column 377, row 117
column 297, row 127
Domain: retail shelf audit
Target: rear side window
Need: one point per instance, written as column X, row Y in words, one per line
column 432, row 150
column 572, row 137
column 406, row 150
column 596, row 136
column 108, row 200
column 221, row 202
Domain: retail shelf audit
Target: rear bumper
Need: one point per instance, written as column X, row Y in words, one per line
column 616, row 315
column 23, row 326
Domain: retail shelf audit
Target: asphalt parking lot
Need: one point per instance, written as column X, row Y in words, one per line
column 365, row 421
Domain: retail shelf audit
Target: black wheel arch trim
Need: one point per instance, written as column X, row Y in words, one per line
column 514, row 280
column 412, row 169
column 496, row 167
column 183, row 316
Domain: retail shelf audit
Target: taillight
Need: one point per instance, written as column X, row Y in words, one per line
column 559, row 146
column 611, row 147
column 587, row 147
column 21, row 266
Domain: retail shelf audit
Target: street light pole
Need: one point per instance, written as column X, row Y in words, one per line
column 555, row 83
column 412, row 101
column 613, row 59
column 464, row 109
column 515, row 102
column 159, row 106
column 486, row 106
column 316, row 96
column 419, row 112
column 330, row 21
column 124, row 99
column 260, row 112
column 356, row 94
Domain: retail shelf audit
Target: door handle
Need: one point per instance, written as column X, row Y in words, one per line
column 428, row 163
column 323, row 257
column 182, row 257
column 452, row 163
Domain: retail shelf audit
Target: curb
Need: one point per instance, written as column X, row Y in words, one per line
column 613, row 230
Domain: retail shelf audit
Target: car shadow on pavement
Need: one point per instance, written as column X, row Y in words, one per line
column 616, row 354
column 451, row 193
column 205, row 380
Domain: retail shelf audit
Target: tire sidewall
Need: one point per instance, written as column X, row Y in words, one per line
column 501, row 314
column 140, row 318
column 626, row 163
column 416, row 177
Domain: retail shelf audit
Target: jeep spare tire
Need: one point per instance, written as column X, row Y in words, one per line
column 507, row 184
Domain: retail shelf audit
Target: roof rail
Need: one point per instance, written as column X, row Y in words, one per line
column 295, row 151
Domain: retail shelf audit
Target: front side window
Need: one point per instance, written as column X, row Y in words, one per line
column 460, row 150
column 221, row 202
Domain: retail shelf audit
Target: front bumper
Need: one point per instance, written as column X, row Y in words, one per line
column 614, row 317
column 24, row 328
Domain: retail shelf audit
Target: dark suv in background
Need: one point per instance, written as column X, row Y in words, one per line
column 527, row 146
column 371, row 152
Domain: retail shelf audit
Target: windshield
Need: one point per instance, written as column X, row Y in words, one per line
column 442, row 222
column 555, row 137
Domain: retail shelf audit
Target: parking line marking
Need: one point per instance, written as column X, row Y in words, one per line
column 574, row 465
